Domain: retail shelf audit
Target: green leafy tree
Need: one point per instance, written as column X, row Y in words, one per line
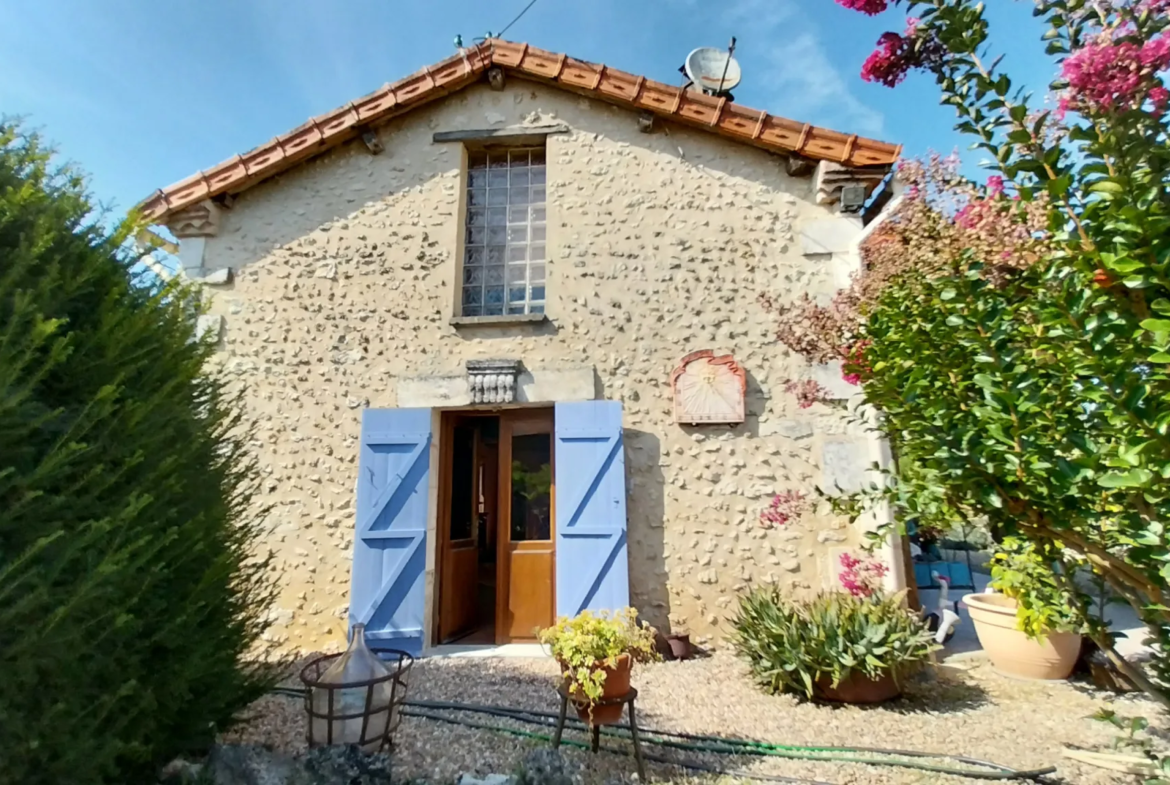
column 128, row 597
column 1031, row 387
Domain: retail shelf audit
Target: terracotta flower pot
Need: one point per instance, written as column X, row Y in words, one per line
column 1011, row 651
column 617, row 684
column 857, row 688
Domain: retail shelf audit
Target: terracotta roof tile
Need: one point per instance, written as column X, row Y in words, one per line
column 690, row 107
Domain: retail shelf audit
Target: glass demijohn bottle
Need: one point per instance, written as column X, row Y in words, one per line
column 358, row 665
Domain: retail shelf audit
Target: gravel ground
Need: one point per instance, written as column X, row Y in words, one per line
column 965, row 709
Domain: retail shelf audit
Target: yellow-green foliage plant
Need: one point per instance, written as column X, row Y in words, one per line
column 588, row 643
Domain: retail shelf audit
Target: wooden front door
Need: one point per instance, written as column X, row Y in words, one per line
column 459, row 569
column 526, row 541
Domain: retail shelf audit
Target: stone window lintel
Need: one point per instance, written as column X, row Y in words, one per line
column 514, row 135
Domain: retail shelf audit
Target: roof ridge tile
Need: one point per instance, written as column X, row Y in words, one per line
column 689, row 107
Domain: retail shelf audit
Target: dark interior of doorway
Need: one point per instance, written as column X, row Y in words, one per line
column 474, row 509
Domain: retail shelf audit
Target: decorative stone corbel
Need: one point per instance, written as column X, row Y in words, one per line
column 198, row 220
column 373, row 143
column 799, row 166
column 495, row 76
column 831, row 178
column 493, row 381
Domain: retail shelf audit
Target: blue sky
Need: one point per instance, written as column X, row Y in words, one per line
column 142, row 93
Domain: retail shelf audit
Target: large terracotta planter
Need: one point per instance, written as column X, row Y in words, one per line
column 857, row 688
column 1011, row 651
column 617, row 684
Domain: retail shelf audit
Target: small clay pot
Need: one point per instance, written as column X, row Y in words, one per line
column 617, row 684
column 857, row 688
column 680, row 646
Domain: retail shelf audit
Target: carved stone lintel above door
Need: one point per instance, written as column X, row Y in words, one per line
column 493, row 381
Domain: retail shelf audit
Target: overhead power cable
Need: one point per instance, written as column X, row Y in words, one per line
column 517, row 19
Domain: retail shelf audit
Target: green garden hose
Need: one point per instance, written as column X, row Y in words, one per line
column 908, row 759
column 582, row 745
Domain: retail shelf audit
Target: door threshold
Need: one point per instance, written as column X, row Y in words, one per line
column 518, row 650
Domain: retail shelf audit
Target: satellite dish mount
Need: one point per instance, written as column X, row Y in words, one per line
column 713, row 71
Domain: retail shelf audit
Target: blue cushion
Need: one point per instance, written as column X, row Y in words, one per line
column 958, row 572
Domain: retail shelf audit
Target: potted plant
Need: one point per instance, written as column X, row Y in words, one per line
column 838, row 646
column 596, row 653
column 1030, row 627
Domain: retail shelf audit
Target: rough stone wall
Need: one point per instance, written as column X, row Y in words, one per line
column 659, row 244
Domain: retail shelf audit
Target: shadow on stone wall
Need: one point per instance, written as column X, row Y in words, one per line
column 476, row 333
column 646, row 534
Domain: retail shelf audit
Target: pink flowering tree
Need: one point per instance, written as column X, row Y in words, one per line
column 808, row 392
column 786, row 507
column 1023, row 366
column 941, row 217
column 862, row 576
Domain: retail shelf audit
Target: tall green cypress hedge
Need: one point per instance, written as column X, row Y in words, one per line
column 128, row 597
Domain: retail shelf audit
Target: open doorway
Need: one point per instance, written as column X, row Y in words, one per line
column 496, row 567
column 468, row 570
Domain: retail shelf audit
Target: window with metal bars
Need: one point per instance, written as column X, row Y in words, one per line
column 504, row 240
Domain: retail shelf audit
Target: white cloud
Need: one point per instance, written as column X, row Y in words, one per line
column 805, row 85
column 787, row 69
column 768, row 14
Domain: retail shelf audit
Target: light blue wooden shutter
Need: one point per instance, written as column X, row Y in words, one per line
column 592, row 561
column 389, row 544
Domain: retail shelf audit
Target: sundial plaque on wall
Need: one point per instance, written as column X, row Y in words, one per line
column 708, row 390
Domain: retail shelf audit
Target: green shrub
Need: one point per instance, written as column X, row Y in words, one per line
column 791, row 644
column 588, row 642
column 127, row 596
column 1031, row 574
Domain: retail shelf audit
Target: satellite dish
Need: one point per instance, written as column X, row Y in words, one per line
column 712, row 70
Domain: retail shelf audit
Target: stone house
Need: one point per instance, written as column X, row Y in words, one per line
column 500, row 330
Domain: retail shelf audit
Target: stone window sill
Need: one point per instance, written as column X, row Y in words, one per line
column 507, row 319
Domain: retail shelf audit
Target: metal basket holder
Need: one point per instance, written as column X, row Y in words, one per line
column 311, row 677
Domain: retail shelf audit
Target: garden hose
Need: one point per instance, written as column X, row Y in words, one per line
column 585, row 746
column 872, row 756
column 912, row 759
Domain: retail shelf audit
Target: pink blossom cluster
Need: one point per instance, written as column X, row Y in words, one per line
column 861, row 577
column 1000, row 231
column 807, row 392
column 855, row 366
column 1003, row 227
column 975, row 213
column 870, row 7
column 785, row 507
column 890, row 62
column 1105, row 76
